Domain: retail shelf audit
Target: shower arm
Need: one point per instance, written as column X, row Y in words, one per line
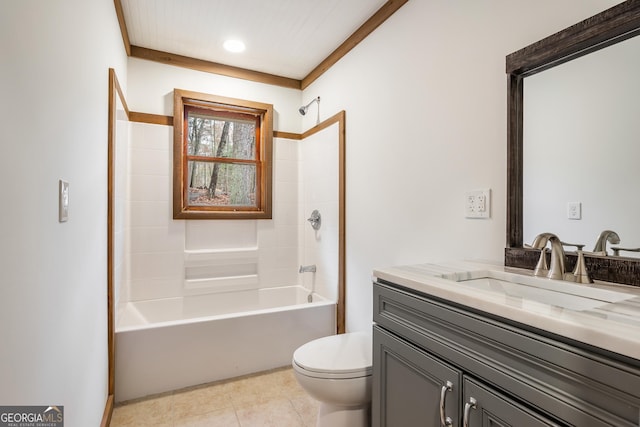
column 303, row 110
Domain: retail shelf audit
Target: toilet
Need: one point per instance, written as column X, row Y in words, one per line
column 336, row 371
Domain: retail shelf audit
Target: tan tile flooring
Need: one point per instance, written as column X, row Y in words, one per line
column 271, row 398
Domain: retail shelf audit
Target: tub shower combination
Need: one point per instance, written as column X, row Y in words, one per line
column 223, row 327
column 172, row 343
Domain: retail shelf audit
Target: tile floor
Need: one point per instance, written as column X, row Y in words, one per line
column 271, row 398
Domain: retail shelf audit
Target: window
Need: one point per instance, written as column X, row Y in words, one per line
column 222, row 157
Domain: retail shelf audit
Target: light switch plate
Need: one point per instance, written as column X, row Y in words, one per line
column 63, row 201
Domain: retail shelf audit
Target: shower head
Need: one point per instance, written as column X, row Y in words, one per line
column 303, row 110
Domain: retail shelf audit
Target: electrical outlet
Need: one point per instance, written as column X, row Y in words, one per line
column 574, row 210
column 478, row 203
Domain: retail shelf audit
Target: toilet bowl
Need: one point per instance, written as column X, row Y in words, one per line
column 336, row 371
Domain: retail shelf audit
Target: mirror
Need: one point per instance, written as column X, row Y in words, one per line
column 581, row 148
column 613, row 26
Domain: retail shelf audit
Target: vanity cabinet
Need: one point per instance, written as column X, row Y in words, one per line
column 415, row 389
column 409, row 383
column 434, row 361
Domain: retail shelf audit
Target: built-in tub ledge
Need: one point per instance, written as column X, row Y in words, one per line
column 220, row 270
column 603, row 315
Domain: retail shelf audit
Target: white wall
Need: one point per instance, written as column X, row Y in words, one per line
column 53, row 116
column 151, row 91
column 425, row 96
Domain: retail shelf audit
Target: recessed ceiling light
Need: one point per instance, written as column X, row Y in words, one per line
column 234, row 46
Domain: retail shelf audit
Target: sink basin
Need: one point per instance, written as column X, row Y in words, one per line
column 557, row 293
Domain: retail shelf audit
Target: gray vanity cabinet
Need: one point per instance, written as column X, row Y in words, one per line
column 430, row 354
column 411, row 388
column 484, row 406
column 407, row 384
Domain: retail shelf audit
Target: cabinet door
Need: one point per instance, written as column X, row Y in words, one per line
column 485, row 407
column 408, row 385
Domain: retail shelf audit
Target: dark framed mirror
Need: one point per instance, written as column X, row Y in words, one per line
column 612, row 26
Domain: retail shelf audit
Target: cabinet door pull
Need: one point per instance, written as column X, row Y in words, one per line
column 444, row 420
column 471, row 404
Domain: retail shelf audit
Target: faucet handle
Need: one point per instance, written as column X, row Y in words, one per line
column 315, row 219
column 617, row 249
column 542, row 268
column 577, row 245
column 580, row 273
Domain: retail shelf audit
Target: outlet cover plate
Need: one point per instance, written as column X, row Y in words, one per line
column 574, row 210
column 477, row 203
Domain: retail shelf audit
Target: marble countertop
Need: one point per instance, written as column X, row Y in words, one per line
column 613, row 326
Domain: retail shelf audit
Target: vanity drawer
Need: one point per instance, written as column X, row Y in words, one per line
column 567, row 383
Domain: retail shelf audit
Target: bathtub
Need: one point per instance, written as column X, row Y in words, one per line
column 172, row 343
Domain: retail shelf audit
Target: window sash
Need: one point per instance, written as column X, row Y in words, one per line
column 211, row 107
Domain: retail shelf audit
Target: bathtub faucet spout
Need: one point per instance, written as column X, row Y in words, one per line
column 307, row 268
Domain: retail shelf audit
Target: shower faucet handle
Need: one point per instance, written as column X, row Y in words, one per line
column 315, row 219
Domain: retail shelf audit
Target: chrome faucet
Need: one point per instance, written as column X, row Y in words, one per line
column 307, row 268
column 556, row 270
column 541, row 240
column 606, row 236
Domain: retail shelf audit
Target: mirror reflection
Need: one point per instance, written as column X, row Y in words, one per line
column 581, row 149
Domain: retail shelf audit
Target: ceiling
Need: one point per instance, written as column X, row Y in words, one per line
column 286, row 38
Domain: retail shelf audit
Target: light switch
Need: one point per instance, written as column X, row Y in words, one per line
column 63, row 201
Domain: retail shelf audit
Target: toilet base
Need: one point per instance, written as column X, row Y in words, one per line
column 341, row 416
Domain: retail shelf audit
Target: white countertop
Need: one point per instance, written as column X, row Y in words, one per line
column 613, row 326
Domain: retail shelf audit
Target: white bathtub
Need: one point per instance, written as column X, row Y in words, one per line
column 172, row 343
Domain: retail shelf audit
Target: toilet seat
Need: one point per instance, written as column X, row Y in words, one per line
column 335, row 357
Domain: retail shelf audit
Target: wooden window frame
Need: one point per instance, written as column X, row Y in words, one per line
column 183, row 101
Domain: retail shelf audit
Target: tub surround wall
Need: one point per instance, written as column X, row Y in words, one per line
column 170, row 258
column 162, row 248
column 155, row 243
column 318, row 189
column 120, row 168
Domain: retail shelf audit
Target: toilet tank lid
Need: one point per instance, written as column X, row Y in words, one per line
column 349, row 352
